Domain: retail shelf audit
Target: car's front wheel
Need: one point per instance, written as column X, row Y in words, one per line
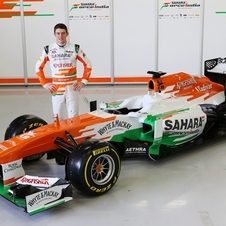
column 93, row 167
column 22, row 124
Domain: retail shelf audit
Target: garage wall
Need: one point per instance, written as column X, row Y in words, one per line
column 90, row 27
column 214, row 39
column 180, row 32
column 134, row 39
column 11, row 49
column 123, row 38
column 39, row 31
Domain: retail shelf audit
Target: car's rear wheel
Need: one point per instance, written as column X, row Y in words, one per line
column 93, row 167
column 24, row 124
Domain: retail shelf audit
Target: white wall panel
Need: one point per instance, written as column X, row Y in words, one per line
column 11, row 62
column 180, row 31
column 214, row 40
column 123, row 38
column 134, row 37
column 89, row 24
column 39, row 30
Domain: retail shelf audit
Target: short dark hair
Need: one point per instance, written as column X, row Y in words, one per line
column 61, row 26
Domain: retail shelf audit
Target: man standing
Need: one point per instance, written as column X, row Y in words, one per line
column 63, row 57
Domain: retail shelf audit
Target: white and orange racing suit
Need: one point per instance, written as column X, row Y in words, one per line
column 63, row 64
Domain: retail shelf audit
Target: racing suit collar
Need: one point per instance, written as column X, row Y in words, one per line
column 61, row 45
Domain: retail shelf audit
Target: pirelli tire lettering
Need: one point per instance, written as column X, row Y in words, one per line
column 23, row 124
column 93, row 167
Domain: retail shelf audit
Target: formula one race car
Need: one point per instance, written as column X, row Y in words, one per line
column 177, row 111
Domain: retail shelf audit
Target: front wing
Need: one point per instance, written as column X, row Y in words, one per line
column 35, row 200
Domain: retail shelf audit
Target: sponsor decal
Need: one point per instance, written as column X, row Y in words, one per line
column 69, row 51
column 46, row 194
column 64, row 65
column 37, row 181
column 4, row 148
column 184, row 124
column 60, row 55
column 135, row 150
column 173, row 132
column 114, row 125
column 89, row 6
column 179, row 4
column 12, row 171
column 27, row 135
column 89, row 11
column 13, row 143
column 47, row 198
column 101, row 150
column 186, row 82
column 203, row 87
column 12, row 166
column 190, row 10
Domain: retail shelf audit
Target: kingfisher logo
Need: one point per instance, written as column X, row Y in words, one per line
column 179, row 4
column 9, row 9
column 89, row 5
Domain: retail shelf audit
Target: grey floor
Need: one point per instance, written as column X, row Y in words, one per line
column 187, row 189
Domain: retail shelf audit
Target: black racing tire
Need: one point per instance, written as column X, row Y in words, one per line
column 22, row 124
column 93, row 167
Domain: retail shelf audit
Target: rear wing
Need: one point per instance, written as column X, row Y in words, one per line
column 215, row 70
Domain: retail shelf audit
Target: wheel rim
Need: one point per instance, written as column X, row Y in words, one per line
column 102, row 169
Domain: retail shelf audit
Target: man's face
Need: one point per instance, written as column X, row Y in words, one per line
column 61, row 36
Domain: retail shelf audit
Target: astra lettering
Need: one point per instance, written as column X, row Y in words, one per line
column 183, row 124
column 113, row 125
column 136, row 150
